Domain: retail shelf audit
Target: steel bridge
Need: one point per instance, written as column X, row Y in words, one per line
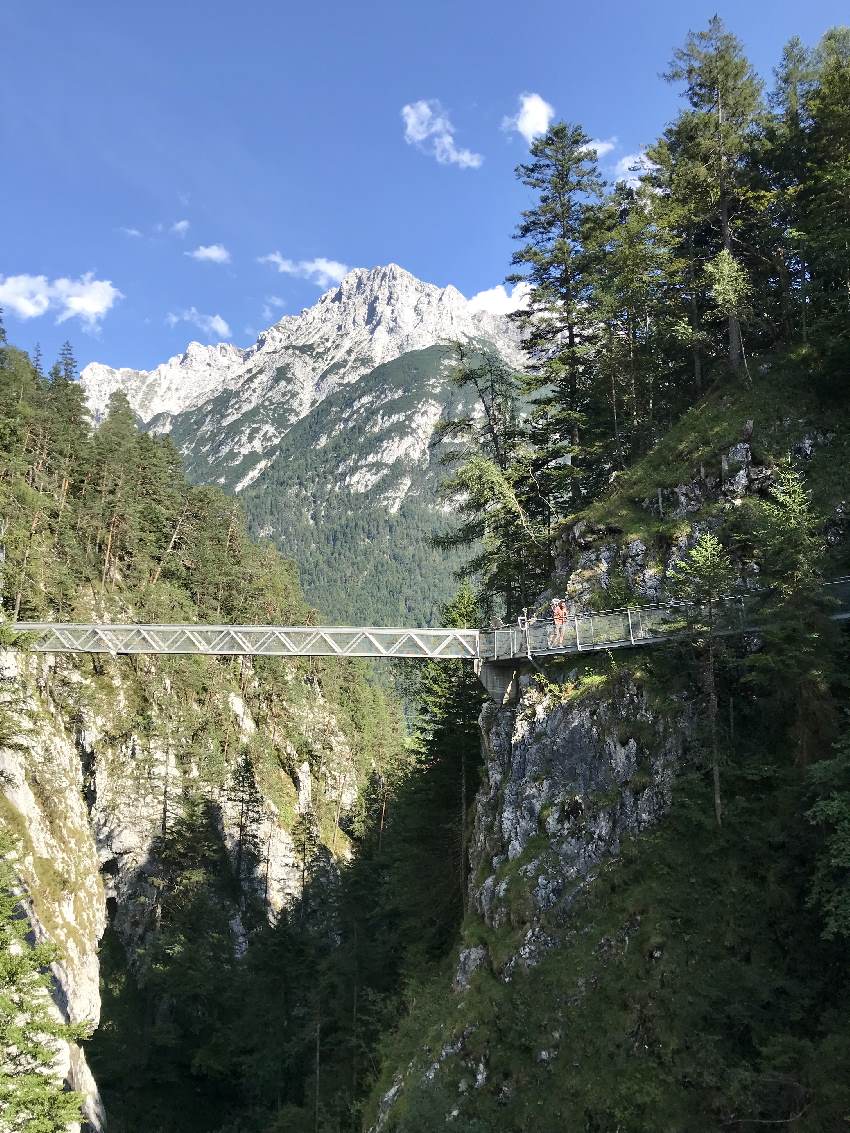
column 499, row 647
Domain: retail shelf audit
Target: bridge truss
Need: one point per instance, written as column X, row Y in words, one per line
column 530, row 638
column 249, row 640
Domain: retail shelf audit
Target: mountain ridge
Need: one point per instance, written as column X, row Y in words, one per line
column 326, row 427
column 377, row 314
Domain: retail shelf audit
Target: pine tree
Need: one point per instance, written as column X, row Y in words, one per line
column 495, row 487
column 634, row 301
column 712, row 138
column 558, row 319
column 824, row 207
column 67, row 362
column 32, row 1096
column 784, row 155
column 700, row 578
column 244, row 793
column 793, row 668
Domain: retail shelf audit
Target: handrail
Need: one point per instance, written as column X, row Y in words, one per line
column 628, row 626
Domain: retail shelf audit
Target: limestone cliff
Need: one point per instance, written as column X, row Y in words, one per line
column 582, row 766
column 96, row 758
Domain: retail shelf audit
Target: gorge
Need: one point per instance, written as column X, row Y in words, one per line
column 288, row 894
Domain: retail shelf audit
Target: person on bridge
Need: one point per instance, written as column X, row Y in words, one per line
column 559, row 617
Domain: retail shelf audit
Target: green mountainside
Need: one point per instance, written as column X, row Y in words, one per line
column 352, row 495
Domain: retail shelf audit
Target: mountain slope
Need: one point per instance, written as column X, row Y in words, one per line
column 326, row 424
column 352, row 494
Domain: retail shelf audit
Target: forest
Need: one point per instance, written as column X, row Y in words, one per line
column 704, row 299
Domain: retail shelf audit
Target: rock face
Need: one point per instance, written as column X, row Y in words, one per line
column 567, row 777
column 326, row 428
column 44, row 804
column 87, row 789
column 569, row 774
column 241, row 403
column 183, row 382
column 593, row 558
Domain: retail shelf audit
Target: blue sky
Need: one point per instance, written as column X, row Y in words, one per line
column 166, row 151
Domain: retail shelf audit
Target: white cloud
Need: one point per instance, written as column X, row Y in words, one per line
column 428, row 127
column 213, row 325
column 210, row 253
column 534, row 116
column 603, row 146
column 87, row 299
column 272, row 306
column 321, row 271
column 180, row 228
column 130, row 231
column 26, row 296
column 497, row 301
column 632, row 166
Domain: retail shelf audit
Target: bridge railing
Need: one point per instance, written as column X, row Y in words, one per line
column 613, row 629
column 633, row 625
column 249, row 640
column 637, row 625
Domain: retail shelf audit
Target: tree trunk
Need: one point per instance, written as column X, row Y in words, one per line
column 463, row 834
column 694, row 315
column 735, row 348
column 711, row 688
column 318, row 1068
column 19, row 596
column 169, row 548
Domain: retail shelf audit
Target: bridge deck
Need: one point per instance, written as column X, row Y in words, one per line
column 632, row 626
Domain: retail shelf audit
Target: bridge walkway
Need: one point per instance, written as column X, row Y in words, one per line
column 504, row 646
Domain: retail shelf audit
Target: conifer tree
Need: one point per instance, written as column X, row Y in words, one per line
column 712, row 138
column 558, row 318
column 32, row 1096
column 700, row 578
column 824, row 209
column 495, row 486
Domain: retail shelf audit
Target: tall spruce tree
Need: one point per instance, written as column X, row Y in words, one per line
column 558, row 319
column 700, row 578
column 495, row 486
column 712, row 138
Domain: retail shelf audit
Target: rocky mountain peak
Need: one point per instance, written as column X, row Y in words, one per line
column 373, row 316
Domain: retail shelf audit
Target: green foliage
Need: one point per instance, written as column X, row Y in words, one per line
column 494, row 489
column 830, row 894
column 689, row 986
column 704, row 574
column 103, row 523
column 32, row 1096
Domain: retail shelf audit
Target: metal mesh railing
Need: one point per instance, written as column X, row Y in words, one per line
column 637, row 625
column 613, row 629
column 234, row 641
column 634, row 625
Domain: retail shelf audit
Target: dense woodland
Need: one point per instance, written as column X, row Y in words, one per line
column 726, row 251
column 664, row 313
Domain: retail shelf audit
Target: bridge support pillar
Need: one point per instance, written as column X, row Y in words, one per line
column 500, row 680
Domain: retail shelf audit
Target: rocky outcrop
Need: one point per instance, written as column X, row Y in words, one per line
column 571, row 770
column 87, row 788
column 241, row 403
column 567, row 777
column 43, row 803
column 593, row 558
